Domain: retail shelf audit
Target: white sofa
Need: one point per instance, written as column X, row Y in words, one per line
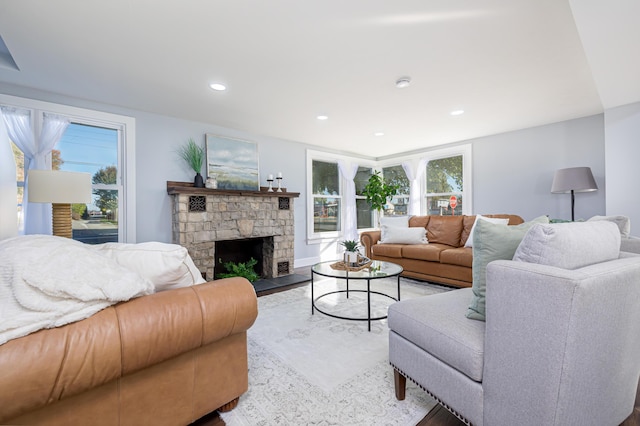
column 561, row 341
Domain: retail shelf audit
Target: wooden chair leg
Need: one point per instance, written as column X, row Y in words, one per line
column 400, row 383
column 229, row 406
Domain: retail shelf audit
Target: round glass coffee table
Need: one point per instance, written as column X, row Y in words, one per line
column 377, row 270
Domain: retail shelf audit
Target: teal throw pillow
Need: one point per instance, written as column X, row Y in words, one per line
column 493, row 242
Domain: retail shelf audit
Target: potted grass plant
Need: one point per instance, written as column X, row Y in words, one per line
column 193, row 154
column 350, row 253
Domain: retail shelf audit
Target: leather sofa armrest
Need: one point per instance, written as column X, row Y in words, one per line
column 163, row 325
column 368, row 239
column 57, row 363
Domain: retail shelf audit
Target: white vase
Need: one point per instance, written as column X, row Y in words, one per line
column 211, row 183
column 351, row 258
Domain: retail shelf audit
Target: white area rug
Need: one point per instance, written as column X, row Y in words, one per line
column 317, row 370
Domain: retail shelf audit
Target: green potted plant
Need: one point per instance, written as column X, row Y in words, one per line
column 350, row 254
column 240, row 269
column 378, row 192
column 193, row 154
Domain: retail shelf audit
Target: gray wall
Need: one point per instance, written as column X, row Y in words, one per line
column 622, row 149
column 513, row 172
column 157, row 162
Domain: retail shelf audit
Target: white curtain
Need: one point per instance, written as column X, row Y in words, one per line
column 415, row 171
column 350, row 221
column 37, row 155
column 8, row 188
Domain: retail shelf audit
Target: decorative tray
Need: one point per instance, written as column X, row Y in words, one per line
column 363, row 263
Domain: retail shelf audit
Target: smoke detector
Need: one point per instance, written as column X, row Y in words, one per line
column 403, row 82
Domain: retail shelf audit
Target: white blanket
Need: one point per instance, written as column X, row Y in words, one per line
column 49, row 281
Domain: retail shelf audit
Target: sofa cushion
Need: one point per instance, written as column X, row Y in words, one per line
column 436, row 323
column 445, row 230
column 397, row 235
column 387, row 222
column 496, row 220
column 388, row 250
column 428, row 252
column 493, row 242
column 461, row 256
column 570, row 245
column 399, row 221
column 419, row 221
column 467, row 224
column 166, row 265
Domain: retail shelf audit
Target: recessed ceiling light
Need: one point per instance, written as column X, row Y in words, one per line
column 378, row 134
column 403, row 82
column 322, row 117
column 218, row 87
column 457, row 112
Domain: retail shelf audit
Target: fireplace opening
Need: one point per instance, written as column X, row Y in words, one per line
column 237, row 251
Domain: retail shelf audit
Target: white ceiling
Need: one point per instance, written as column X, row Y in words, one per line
column 510, row 64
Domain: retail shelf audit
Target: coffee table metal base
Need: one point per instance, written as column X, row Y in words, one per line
column 368, row 291
column 368, row 318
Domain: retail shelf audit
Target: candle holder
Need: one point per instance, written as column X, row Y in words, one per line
column 279, row 184
column 270, row 185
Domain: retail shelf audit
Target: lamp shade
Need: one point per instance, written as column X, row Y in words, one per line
column 577, row 179
column 53, row 186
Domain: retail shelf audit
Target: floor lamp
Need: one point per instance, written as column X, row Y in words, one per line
column 61, row 189
column 571, row 180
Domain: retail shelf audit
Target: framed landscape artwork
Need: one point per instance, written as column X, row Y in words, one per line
column 233, row 163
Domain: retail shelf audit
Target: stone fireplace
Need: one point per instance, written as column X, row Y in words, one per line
column 202, row 217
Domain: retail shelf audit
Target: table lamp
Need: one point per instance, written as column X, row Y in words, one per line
column 61, row 189
column 573, row 179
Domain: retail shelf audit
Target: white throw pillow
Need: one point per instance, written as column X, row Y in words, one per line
column 496, row 220
column 570, row 245
column 397, row 235
column 623, row 223
column 394, row 221
column 167, row 266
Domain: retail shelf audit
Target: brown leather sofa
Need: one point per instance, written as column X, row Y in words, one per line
column 164, row 359
column 444, row 260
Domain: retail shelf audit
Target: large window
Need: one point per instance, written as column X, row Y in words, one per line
column 400, row 202
column 326, row 197
column 444, row 181
column 442, row 173
column 93, row 150
column 97, row 143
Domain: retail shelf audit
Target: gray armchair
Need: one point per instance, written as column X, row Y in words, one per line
column 630, row 244
column 560, row 346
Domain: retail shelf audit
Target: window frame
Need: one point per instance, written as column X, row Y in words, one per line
column 126, row 149
column 328, row 157
column 467, row 193
column 399, row 195
column 372, row 213
column 312, row 235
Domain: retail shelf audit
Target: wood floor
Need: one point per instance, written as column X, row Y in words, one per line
column 439, row 416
